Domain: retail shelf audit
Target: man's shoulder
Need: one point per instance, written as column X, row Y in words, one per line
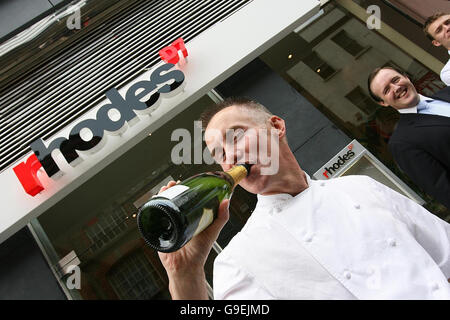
column 347, row 184
column 350, row 180
column 410, row 126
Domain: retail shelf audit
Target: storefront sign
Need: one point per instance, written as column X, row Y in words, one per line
column 128, row 107
column 340, row 162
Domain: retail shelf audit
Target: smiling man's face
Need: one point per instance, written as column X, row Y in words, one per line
column 440, row 31
column 394, row 89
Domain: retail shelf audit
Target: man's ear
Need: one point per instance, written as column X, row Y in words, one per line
column 278, row 124
column 383, row 104
column 436, row 43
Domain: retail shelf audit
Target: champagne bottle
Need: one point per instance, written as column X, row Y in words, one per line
column 172, row 218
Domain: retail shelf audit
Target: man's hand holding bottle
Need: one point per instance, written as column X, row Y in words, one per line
column 185, row 267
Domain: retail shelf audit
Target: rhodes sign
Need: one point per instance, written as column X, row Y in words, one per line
column 164, row 81
column 340, row 162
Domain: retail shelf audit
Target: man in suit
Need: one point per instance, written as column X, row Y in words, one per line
column 420, row 143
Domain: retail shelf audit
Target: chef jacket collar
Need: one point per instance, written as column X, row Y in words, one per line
column 280, row 198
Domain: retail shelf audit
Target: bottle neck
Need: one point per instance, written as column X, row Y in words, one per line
column 237, row 173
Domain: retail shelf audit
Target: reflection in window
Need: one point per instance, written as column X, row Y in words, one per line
column 319, row 66
column 106, row 228
column 342, row 100
column 133, row 278
column 350, row 45
column 359, row 98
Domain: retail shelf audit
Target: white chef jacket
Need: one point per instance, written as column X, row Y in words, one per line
column 345, row 238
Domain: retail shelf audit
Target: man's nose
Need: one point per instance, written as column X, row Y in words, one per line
column 397, row 88
column 230, row 155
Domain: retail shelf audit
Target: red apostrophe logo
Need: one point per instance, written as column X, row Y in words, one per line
column 26, row 172
column 170, row 54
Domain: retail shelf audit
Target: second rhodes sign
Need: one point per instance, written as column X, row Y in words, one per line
column 128, row 107
column 340, row 162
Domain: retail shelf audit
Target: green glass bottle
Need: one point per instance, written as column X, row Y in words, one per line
column 172, row 218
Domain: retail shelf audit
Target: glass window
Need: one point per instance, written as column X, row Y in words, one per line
column 134, row 278
column 348, row 44
column 344, row 97
column 315, row 63
column 360, row 99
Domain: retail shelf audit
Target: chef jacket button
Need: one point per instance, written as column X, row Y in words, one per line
column 435, row 287
column 357, row 206
column 347, row 275
column 392, row 242
column 322, row 184
column 308, row 238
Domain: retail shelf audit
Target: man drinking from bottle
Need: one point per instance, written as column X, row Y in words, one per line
column 345, row 238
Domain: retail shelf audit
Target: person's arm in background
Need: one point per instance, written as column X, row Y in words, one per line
column 185, row 267
column 445, row 74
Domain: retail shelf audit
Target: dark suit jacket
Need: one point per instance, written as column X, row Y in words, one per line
column 421, row 147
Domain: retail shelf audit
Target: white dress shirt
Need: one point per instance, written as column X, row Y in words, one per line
column 345, row 238
column 445, row 73
column 429, row 106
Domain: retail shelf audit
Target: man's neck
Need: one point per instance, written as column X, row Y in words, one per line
column 412, row 107
column 290, row 179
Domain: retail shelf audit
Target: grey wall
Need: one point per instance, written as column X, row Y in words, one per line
column 312, row 137
column 24, row 273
